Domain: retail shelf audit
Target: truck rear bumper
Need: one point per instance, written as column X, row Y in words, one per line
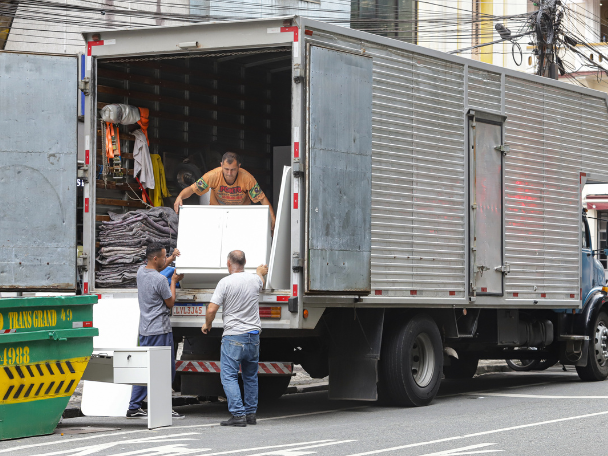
column 214, row 367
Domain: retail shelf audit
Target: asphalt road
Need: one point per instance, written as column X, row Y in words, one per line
column 550, row 412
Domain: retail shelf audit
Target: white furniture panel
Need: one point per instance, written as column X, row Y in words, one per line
column 208, row 233
column 279, row 268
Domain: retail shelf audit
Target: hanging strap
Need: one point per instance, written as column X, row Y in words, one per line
column 112, row 138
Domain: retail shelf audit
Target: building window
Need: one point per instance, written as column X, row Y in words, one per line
column 391, row 18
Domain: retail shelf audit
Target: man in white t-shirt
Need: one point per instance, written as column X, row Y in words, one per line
column 239, row 294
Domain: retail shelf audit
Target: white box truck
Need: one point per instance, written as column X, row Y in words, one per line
column 435, row 213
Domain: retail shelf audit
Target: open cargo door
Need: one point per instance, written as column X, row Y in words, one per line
column 38, row 153
column 339, row 171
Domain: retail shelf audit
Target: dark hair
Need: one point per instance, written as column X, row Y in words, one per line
column 231, row 157
column 237, row 257
column 153, row 250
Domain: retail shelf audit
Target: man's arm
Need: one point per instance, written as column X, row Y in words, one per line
column 209, row 317
column 172, row 258
column 265, row 202
column 184, row 194
column 261, row 271
column 170, row 302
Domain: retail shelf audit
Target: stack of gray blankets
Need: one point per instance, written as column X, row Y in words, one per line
column 123, row 242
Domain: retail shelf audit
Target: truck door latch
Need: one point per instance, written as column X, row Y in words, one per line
column 504, row 148
column 505, row 268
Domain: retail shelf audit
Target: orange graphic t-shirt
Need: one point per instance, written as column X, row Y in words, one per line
column 244, row 190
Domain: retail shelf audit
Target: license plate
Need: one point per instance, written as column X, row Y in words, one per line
column 197, row 310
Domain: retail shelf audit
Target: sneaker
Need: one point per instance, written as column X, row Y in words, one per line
column 176, row 416
column 251, row 419
column 238, row 421
column 138, row 413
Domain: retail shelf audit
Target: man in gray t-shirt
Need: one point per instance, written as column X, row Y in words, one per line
column 239, row 294
column 156, row 298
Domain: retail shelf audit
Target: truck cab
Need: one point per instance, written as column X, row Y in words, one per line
column 592, row 271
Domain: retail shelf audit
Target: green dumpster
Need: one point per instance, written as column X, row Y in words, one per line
column 45, row 346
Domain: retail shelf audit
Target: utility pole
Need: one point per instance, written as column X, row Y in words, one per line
column 546, row 23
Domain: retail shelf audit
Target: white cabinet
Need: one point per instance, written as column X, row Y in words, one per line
column 208, row 233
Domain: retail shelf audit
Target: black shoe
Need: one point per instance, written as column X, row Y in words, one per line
column 138, row 413
column 251, row 419
column 238, row 421
column 177, row 416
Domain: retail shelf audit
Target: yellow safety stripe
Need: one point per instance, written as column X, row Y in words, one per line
column 44, row 380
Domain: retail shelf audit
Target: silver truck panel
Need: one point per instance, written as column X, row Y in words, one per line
column 339, row 171
column 38, row 148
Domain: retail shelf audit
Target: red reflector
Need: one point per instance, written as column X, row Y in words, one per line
column 452, row 293
column 413, row 292
column 86, row 204
column 572, row 296
column 282, row 298
column 98, row 296
column 85, row 288
column 484, row 289
column 87, row 324
column 308, row 32
column 295, row 289
column 515, row 295
column 270, row 312
column 378, row 292
column 543, row 295
column 295, row 200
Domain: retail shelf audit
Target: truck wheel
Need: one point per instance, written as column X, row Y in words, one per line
column 412, row 361
column 461, row 368
column 597, row 361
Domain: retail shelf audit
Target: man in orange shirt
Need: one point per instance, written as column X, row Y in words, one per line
column 229, row 185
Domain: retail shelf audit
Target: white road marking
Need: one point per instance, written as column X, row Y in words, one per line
column 465, row 450
column 536, row 396
column 172, row 428
column 92, row 449
column 478, row 434
column 180, row 449
column 301, row 451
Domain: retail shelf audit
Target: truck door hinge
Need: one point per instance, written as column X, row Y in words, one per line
column 82, row 261
column 296, row 263
column 298, row 169
column 85, row 85
column 82, row 173
column 298, row 75
column 505, row 268
column 504, row 148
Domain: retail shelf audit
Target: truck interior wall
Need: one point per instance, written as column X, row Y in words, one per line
column 199, row 109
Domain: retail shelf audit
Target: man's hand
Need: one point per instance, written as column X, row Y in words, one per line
column 178, row 203
column 206, row 328
column 262, row 270
column 174, row 255
column 176, row 277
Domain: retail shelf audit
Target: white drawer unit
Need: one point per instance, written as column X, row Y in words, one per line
column 149, row 366
column 131, row 359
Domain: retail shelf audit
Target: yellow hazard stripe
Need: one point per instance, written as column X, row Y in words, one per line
column 44, row 380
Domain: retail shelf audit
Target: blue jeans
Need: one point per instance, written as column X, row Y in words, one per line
column 241, row 350
column 139, row 393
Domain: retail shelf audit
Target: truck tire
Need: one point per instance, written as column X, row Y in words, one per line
column 523, row 365
column 597, row 361
column 462, row 368
column 412, row 362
